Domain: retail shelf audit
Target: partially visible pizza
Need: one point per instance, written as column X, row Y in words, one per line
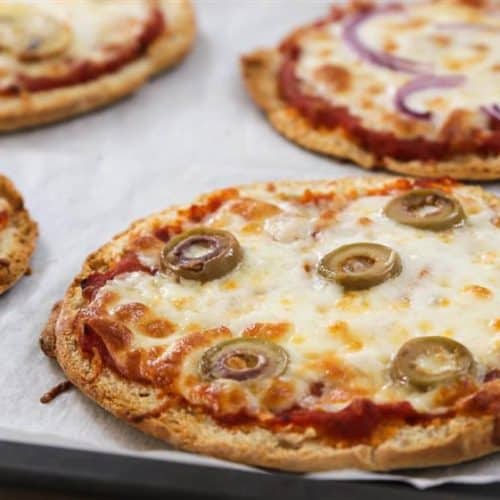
column 410, row 86
column 299, row 325
column 18, row 235
column 62, row 58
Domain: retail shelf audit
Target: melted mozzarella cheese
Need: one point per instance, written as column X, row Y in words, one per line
column 446, row 37
column 344, row 338
column 437, row 363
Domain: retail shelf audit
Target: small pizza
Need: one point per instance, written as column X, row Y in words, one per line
column 410, row 86
column 299, row 325
column 62, row 58
column 18, row 235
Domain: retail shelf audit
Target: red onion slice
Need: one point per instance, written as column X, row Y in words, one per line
column 492, row 110
column 350, row 35
column 420, row 83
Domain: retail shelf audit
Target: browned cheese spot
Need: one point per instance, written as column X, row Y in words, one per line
column 139, row 315
column 279, row 396
column 390, row 45
column 336, row 77
column 254, row 210
column 365, row 221
column 340, row 330
column 115, row 335
column 441, row 40
column 480, row 292
column 267, row 331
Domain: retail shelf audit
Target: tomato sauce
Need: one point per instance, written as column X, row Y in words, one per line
column 90, row 343
column 357, row 421
column 95, row 281
column 382, row 144
column 167, row 232
column 4, row 219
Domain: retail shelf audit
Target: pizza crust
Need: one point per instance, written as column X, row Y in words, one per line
column 457, row 440
column 25, row 237
column 45, row 107
column 259, row 70
column 172, row 48
column 48, row 335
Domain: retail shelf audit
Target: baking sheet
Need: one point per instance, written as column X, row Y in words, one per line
column 189, row 131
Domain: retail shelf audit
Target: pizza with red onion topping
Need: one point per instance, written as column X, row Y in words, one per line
column 410, row 86
column 62, row 58
column 299, row 325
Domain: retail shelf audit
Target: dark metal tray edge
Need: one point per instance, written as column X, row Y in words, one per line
column 71, row 471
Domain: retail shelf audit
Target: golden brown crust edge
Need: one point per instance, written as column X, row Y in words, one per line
column 259, row 71
column 458, row 440
column 24, row 239
column 48, row 335
column 42, row 108
column 172, row 48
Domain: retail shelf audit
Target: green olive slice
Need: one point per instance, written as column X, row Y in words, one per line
column 427, row 361
column 202, row 254
column 360, row 265
column 244, row 359
column 426, row 209
column 31, row 34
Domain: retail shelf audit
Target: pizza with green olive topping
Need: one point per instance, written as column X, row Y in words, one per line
column 299, row 325
column 413, row 87
column 62, row 58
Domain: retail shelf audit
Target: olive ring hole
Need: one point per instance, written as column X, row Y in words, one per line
column 196, row 248
column 358, row 264
column 429, row 205
column 242, row 361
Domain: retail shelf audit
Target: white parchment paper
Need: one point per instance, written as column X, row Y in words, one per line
column 189, row 131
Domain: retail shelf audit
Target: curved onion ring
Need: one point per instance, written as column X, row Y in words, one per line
column 492, row 110
column 350, row 35
column 424, row 82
